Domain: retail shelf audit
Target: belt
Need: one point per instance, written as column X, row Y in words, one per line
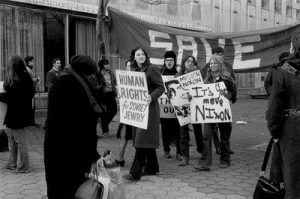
column 291, row 112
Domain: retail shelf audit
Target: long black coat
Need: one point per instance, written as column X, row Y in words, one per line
column 19, row 105
column 70, row 140
column 285, row 95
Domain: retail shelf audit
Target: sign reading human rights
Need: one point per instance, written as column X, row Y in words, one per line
column 209, row 105
column 179, row 100
column 246, row 51
column 166, row 108
column 132, row 94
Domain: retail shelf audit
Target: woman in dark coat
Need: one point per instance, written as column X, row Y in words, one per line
column 70, row 141
column 146, row 141
column 19, row 88
column 283, row 117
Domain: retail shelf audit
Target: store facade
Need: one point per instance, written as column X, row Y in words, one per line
column 46, row 29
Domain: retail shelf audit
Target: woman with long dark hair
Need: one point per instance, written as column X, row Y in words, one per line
column 19, row 88
column 146, row 141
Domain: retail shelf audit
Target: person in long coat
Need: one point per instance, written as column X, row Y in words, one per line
column 283, row 117
column 19, row 89
column 70, row 145
column 146, row 141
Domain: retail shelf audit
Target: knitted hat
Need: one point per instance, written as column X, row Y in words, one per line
column 170, row 54
column 83, row 64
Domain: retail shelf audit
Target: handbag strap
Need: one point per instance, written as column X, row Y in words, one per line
column 267, row 155
column 81, row 81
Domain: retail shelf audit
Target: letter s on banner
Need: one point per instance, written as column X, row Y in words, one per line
column 239, row 50
column 168, row 46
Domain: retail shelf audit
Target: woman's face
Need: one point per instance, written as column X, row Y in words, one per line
column 139, row 57
column 214, row 65
column 107, row 66
column 189, row 63
column 169, row 62
column 128, row 68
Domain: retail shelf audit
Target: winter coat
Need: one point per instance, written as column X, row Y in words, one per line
column 150, row 138
column 19, row 103
column 51, row 77
column 70, row 139
column 283, row 119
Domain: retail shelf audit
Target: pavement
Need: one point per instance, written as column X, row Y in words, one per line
column 248, row 141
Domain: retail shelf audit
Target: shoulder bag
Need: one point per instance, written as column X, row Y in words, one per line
column 265, row 188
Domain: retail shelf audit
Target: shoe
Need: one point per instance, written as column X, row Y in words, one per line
column 129, row 177
column 22, row 171
column 202, row 168
column 120, row 162
column 10, row 167
column 231, row 152
column 218, row 151
column 224, row 165
column 184, row 162
column 145, row 173
column 167, row 155
column 178, row 157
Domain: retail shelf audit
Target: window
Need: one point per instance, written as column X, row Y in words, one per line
column 289, row 11
column 265, row 4
column 252, row 2
column 298, row 14
column 277, row 6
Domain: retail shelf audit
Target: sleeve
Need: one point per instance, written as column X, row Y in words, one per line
column 268, row 83
column 232, row 90
column 49, row 79
column 157, row 83
column 275, row 112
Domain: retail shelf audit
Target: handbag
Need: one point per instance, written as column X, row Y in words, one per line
column 96, row 107
column 91, row 188
column 265, row 188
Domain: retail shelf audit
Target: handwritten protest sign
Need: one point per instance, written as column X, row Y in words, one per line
column 191, row 79
column 3, row 108
column 179, row 101
column 209, row 105
column 132, row 93
column 166, row 108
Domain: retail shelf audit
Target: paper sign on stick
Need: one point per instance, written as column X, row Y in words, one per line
column 191, row 79
column 209, row 105
column 3, row 108
column 132, row 94
column 166, row 108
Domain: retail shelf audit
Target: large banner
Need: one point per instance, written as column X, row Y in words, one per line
column 246, row 51
column 3, row 108
column 132, row 94
column 209, row 105
column 166, row 108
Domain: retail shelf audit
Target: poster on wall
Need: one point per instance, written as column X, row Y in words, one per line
column 132, row 94
column 209, row 105
column 179, row 101
column 166, row 108
column 3, row 108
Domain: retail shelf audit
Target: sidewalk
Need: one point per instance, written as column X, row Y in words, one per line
column 236, row 182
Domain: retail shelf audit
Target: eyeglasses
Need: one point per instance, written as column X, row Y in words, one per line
column 169, row 60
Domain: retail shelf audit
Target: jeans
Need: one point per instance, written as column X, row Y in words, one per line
column 17, row 139
column 225, row 131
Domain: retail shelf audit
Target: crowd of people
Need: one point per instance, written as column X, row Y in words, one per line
column 83, row 95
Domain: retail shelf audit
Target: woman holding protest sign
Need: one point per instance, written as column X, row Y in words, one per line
column 146, row 141
column 216, row 74
column 189, row 65
column 170, row 126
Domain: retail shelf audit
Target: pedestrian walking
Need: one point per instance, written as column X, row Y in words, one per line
column 188, row 65
column 70, row 145
column 283, row 116
column 170, row 126
column 215, row 74
column 19, row 90
column 146, row 141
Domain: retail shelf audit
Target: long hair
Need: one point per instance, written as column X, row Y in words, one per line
column 16, row 69
column 183, row 69
column 102, row 62
column 132, row 55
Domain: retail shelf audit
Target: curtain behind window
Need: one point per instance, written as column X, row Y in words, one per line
column 21, row 33
column 85, row 38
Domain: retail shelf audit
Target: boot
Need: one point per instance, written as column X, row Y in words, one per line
column 184, row 161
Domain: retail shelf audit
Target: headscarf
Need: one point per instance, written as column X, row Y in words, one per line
column 294, row 58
